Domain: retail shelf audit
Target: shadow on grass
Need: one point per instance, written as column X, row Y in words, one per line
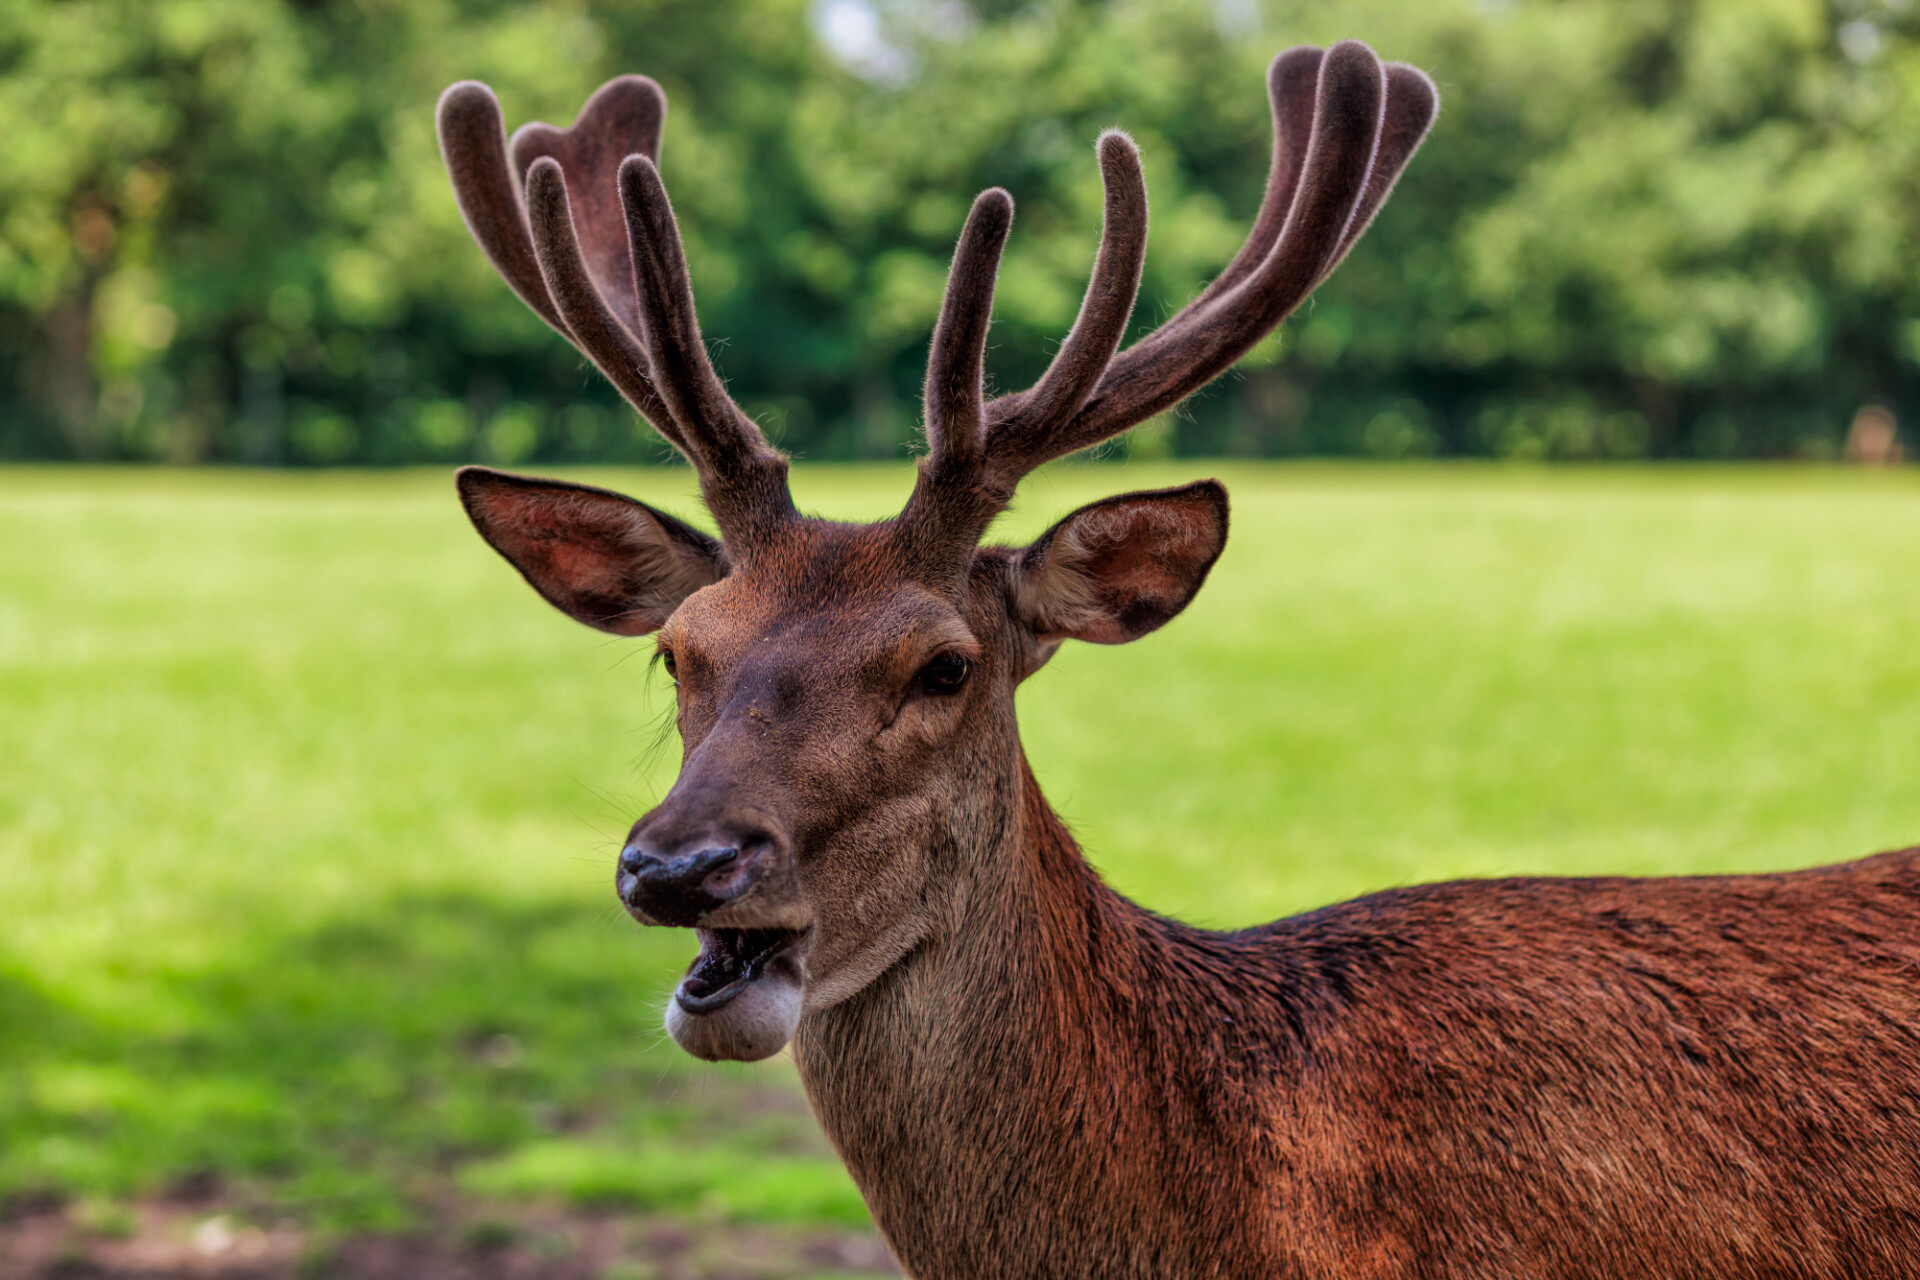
column 430, row 1046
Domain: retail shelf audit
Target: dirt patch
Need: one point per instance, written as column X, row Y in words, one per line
column 169, row 1240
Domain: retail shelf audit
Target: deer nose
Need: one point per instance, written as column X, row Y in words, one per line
column 678, row 886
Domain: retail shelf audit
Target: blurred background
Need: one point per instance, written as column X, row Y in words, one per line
column 1547, row 555
column 1640, row 229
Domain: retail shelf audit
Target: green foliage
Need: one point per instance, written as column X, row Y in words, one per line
column 310, row 805
column 224, row 232
column 1714, row 218
column 227, row 233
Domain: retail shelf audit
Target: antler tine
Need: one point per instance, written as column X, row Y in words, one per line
column 1293, row 81
column 949, row 503
column 624, row 117
column 956, row 362
column 1024, row 419
column 1328, row 179
column 473, row 143
column 1412, row 104
column 742, row 477
column 589, row 320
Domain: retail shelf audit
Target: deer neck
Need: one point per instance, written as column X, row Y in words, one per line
column 978, row 1089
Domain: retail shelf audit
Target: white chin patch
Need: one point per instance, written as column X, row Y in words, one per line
column 741, row 998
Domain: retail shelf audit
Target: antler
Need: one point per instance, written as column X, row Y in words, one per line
column 1344, row 128
column 595, row 251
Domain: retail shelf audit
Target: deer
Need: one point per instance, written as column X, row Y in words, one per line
column 1025, row 1073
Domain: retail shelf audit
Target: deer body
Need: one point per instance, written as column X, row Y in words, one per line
column 1582, row 1079
column 1026, row 1074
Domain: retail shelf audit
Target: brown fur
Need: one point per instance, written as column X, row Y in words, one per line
column 1529, row 1078
column 1029, row 1076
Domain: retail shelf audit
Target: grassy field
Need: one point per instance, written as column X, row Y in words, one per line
column 308, row 805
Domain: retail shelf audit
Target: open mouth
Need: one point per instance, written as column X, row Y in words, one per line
column 730, row 961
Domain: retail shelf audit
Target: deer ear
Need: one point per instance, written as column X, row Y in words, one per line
column 599, row 557
column 1114, row 571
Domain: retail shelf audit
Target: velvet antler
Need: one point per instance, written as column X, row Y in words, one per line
column 595, row 252
column 1344, row 128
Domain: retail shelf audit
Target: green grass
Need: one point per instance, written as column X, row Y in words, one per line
column 307, row 804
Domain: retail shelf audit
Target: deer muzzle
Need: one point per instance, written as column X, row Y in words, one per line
column 733, row 883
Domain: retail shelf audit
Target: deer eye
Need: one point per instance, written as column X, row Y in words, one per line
column 946, row 673
column 673, row 670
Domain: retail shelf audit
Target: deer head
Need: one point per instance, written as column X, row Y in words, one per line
column 852, row 767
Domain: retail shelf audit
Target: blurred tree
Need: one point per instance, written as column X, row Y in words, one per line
column 1713, row 231
column 224, row 231
column 1668, row 227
